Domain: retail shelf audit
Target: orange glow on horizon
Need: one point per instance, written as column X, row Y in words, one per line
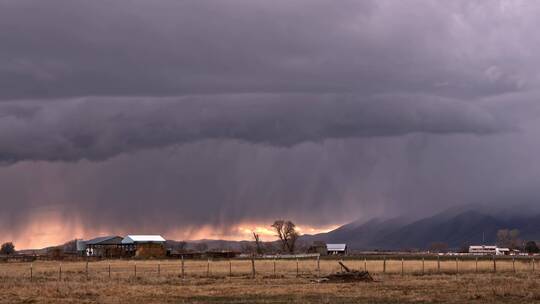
column 242, row 232
column 44, row 230
column 51, row 228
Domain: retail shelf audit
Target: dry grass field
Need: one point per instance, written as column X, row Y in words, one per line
column 162, row 282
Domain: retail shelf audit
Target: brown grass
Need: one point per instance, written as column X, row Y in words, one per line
column 74, row 286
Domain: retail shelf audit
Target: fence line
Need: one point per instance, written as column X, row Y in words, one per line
column 253, row 268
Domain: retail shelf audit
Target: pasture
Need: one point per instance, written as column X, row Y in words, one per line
column 275, row 281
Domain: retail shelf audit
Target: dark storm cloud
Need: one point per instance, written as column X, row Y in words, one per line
column 71, row 48
column 204, row 112
column 100, row 128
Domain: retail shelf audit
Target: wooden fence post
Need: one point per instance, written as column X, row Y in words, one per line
column 533, row 264
column 87, row 269
column 60, row 272
column 438, row 264
column 274, row 267
column 384, row 265
column 514, row 264
column 182, row 267
column 423, row 267
column 253, row 266
column 208, row 268
column 135, row 269
column 402, row 267
column 31, row 271
column 109, row 270
column 457, row 268
column 494, row 264
column 365, row 264
column 159, row 269
column 318, row 266
column 297, row 268
column 230, row 268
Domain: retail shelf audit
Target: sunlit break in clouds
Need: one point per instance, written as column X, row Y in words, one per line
column 211, row 119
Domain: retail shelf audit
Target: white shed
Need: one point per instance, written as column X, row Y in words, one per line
column 336, row 249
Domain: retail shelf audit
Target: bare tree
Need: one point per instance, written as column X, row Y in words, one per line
column 258, row 245
column 531, row 247
column 181, row 246
column 508, row 238
column 7, row 248
column 178, row 246
column 287, row 234
column 70, row 246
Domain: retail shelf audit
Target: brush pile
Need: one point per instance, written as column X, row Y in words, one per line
column 347, row 276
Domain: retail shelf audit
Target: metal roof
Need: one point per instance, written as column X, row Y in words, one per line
column 104, row 239
column 482, row 247
column 336, row 247
column 130, row 239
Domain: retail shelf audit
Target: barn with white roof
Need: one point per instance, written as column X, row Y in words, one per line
column 134, row 239
column 336, row 249
column 145, row 246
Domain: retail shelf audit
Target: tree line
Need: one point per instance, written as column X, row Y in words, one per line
column 7, row 248
column 505, row 238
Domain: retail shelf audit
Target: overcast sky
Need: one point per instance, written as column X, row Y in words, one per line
column 179, row 116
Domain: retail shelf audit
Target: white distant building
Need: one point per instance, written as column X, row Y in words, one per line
column 336, row 249
column 488, row 250
column 503, row 251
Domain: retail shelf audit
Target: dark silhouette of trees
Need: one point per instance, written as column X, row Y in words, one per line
column 181, row 246
column 70, row 246
column 7, row 248
column 508, row 238
column 287, row 234
column 531, row 247
column 438, row 247
column 269, row 248
column 464, row 248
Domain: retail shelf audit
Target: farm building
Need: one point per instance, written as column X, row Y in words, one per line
column 483, row 250
column 489, row 250
column 104, row 246
column 145, row 246
column 221, row 254
column 336, row 249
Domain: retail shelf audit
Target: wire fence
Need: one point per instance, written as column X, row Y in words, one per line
column 253, row 268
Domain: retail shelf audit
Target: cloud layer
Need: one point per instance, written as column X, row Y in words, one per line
column 100, row 128
column 168, row 116
column 64, row 48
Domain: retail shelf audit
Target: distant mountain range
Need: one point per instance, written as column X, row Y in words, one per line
column 456, row 227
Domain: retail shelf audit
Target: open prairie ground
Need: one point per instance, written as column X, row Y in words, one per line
column 292, row 282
